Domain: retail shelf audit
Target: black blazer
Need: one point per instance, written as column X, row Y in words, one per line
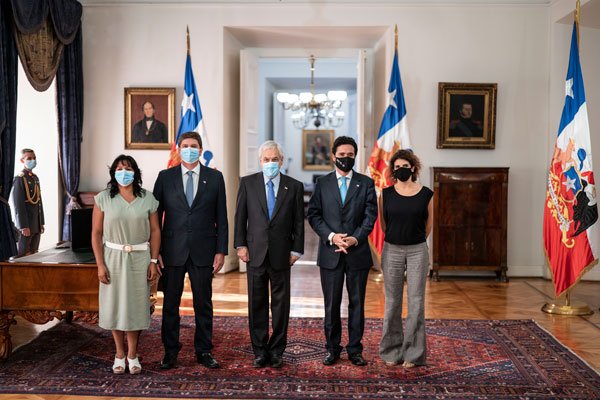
column 199, row 231
column 356, row 217
column 282, row 234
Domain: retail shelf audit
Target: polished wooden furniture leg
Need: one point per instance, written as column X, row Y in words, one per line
column 7, row 318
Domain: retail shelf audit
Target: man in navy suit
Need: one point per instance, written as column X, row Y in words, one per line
column 269, row 237
column 342, row 211
column 194, row 240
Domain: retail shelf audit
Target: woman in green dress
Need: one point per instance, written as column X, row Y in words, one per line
column 126, row 243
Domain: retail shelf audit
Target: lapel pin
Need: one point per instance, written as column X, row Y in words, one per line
column 204, row 182
column 285, row 187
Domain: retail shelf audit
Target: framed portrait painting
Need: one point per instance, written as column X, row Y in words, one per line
column 149, row 118
column 466, row 115
column 316, row 149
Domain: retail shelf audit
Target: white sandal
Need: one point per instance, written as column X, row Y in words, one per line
column 134, row 365
column 118, row 366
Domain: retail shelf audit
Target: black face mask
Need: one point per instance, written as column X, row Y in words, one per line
column 402, row 174
column 344, row 163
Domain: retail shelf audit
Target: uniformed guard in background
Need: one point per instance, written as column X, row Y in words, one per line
column 27, row 203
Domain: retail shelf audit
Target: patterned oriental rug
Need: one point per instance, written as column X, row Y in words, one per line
column 467, row 360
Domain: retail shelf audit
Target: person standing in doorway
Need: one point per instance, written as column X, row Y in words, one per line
column 342, row 211
column 269, row 237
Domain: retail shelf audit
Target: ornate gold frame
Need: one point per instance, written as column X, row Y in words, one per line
column 446, row 92
column 307, row 135
column 169, row 93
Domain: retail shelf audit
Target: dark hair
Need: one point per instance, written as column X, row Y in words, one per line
column 344, row 140
column 26, row 150
column 151, row 103
column 137, row 176
column 189, row 135
column 409, row 156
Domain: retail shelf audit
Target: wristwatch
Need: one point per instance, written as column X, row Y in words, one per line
column 154, row 260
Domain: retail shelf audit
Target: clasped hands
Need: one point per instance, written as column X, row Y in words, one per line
column 343, row 241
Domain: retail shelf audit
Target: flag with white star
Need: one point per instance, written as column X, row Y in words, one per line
column 393, row 135
column 191, row 119
column 571, row 236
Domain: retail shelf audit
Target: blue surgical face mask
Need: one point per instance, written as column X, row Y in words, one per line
column 270, row 169
column 190, row 154
column 30, row 164
column 124, row 177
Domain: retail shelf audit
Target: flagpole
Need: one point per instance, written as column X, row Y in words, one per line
column 569, row 307
column 378, row 277
column 187, row 28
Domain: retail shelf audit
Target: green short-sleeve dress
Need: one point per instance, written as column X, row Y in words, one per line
column 125, row 302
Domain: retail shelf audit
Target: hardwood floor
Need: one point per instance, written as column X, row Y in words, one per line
column 451, row 298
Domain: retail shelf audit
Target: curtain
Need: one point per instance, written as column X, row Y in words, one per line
column 42, row 29
column 8, row 121
column 69, row 100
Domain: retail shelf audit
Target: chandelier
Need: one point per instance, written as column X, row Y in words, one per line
column 321, row 109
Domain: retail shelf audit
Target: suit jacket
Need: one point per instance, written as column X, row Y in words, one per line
column 279, row 236
column 199, row 231
column 356, row 217
column 27, row 215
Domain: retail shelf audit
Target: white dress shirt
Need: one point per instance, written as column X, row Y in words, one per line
column 339, row 182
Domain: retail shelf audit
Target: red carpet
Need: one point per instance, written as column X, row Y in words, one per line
column 467, row 359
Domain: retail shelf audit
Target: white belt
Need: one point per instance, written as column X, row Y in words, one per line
column 127, row 248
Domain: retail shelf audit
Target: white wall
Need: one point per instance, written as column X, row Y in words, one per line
column 37, row 129
column 504, row 44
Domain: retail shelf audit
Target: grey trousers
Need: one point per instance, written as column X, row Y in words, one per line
column 410, row 345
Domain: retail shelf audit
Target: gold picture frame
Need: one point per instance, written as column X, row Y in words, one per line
column 466, row 115
column 316, row 149
column 143, row 132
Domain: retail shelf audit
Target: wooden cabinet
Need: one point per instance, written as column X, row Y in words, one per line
column 469, row 220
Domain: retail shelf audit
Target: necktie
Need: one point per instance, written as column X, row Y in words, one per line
column 343, row 188
column 270, row 198
column 189, row 188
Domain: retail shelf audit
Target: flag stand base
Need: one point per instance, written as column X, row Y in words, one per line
column 567, row 308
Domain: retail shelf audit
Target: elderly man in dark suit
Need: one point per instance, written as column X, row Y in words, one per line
column 194, row 240
column 269, row 237
column 342, row 211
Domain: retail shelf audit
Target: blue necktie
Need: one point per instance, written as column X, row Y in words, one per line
column 189, row 188
column 343, row 188
column 270, row 198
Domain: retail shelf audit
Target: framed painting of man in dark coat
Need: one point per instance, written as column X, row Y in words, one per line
column 466, row 115
column 149, row 118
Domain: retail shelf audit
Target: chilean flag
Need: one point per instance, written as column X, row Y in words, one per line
column 571, row 236
column 191, row 118
column 393, row 135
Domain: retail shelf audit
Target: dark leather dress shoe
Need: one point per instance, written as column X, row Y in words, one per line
column 357, row 359
column 168, row 361
column 260, row 361
column 331, row 358
column 276, row 361
column 207, row 360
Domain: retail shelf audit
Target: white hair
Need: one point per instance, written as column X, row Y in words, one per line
column 271, row 144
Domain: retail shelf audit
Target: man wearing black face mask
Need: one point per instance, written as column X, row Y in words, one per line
column 342, row 211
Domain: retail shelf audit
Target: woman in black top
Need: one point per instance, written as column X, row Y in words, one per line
column 406, row 215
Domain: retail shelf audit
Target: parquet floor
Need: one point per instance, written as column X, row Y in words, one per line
column 451, row 298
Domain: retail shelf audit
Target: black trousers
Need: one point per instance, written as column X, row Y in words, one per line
column 258, row 308
column 201, row 282
column 332, row 283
